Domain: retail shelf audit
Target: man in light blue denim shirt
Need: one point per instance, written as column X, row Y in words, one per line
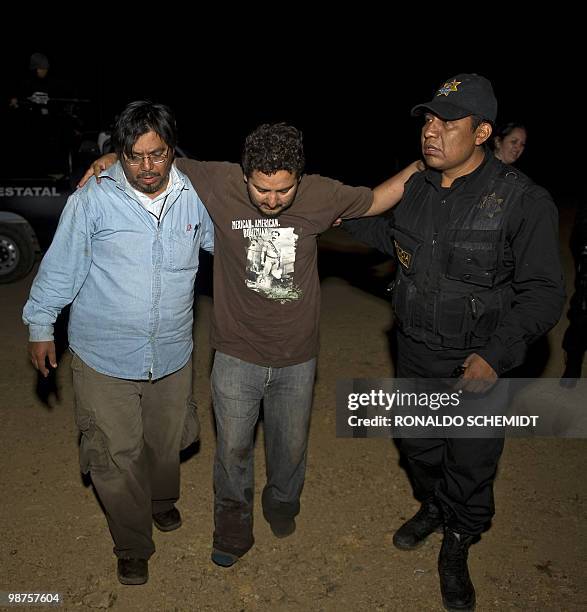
column 125, row 257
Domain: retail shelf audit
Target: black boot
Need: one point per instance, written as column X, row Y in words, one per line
column 573, row 369
column 414, row 531
column 458, row 592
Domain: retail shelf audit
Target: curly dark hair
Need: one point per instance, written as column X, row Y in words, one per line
column 273, row 147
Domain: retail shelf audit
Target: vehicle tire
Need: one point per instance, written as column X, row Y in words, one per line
column 18, row 251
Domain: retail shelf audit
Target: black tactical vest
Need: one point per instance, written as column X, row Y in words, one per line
column 454, row 286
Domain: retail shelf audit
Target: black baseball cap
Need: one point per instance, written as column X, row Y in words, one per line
column 461, row 96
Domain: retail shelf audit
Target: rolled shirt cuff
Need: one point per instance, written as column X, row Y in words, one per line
column 40, row 333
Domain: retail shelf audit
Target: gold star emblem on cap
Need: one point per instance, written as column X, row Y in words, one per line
column 448, row 87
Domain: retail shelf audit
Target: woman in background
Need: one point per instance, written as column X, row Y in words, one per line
column 509, row 142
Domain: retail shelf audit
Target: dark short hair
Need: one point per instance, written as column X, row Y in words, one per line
column 141, row 117
column 273, row 147
column 505, row 130
column 502, row 131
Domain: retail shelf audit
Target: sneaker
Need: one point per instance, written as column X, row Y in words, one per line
column 223, row 559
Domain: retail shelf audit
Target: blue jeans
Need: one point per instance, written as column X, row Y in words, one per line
column 237, row 390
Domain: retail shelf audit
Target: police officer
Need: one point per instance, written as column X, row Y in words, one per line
column 478, row 281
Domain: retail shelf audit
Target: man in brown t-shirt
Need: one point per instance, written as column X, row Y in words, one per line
column 267, row 217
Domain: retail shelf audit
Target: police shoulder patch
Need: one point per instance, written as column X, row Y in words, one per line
column 405, row 257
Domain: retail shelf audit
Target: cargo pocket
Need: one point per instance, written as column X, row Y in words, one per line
column 93, row 450
column 454, row 320
column 403, row 301
column 191, row 425
column 468, row 321
column 474, row 266
column 93, row 455
column 488, row 315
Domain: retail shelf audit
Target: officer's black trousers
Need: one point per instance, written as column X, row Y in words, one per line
column 457, row 472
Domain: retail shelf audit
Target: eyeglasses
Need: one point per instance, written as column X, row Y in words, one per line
column 137, row 160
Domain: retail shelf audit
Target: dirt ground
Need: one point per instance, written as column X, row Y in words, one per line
column 55, row 537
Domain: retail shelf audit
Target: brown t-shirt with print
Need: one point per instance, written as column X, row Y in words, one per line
column 266, row 286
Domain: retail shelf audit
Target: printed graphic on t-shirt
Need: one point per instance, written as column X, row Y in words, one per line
column 271, row 258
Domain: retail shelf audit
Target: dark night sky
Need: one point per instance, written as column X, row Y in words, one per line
column 352, row 102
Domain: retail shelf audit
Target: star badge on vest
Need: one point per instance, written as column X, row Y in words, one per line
column 492, row 204
column 405, row 258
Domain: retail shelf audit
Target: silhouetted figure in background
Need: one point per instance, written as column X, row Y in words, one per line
column 43, row 120
column 575, row 338
column 33, row 91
